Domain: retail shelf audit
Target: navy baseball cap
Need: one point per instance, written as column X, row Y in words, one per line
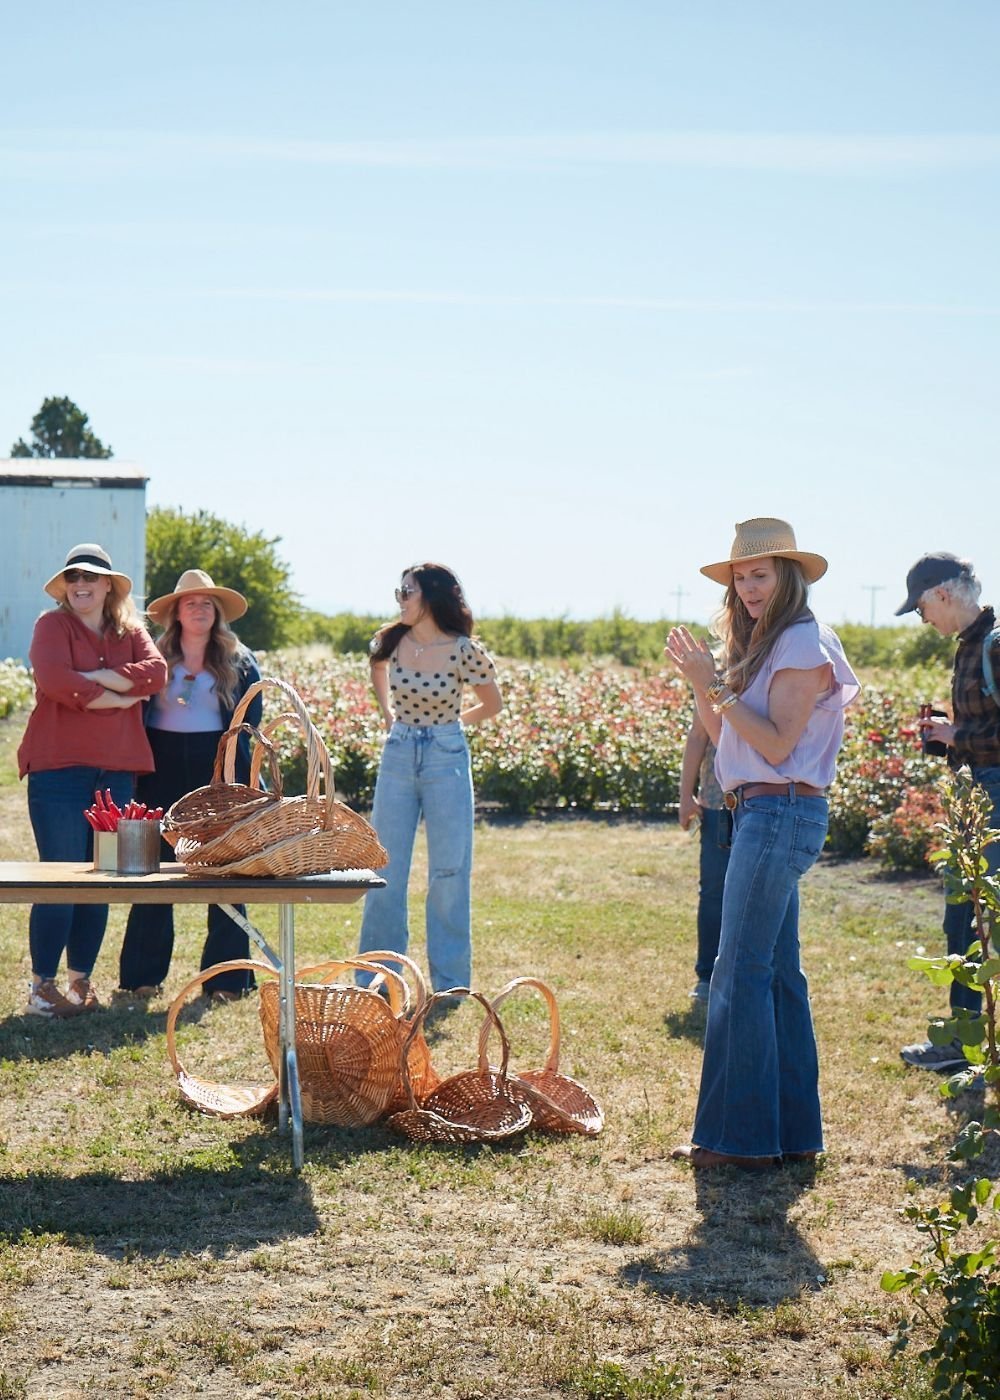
column 930, row 571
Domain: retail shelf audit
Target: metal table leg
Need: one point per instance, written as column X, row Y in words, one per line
column 289, row 1098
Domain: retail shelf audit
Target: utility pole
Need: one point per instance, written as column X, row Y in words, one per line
column 679, row 594
column 873, row 588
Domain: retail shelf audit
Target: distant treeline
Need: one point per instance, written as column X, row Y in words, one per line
column 622, row 638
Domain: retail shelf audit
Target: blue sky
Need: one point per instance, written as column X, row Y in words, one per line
column 553, row 292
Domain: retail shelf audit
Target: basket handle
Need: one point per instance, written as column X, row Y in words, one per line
column 225, row 758
column 492, row 1022
column 234, row 965
column 389, row 955
column 552, row 1059
column 267, row 732
column 317, row 757
column 399, row 993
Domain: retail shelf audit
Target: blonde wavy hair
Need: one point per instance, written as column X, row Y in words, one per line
column 223, row 651
column 746, row 643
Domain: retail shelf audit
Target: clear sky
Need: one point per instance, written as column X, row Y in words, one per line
column 554, row 292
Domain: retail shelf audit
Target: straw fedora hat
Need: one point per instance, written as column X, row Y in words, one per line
column 94, row 560
column 231, row 604
column 765, row 538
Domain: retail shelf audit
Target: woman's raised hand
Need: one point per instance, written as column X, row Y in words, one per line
column 691, row 658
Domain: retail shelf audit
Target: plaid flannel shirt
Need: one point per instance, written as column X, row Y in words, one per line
column 977, row 716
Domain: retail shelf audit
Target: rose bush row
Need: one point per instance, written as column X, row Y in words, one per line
column 598, row 738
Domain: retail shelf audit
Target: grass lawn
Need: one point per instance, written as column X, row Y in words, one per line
column 148, row 1251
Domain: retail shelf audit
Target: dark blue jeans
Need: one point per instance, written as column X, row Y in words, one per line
column 713, row 861
column 57, row 799
column 958, row 929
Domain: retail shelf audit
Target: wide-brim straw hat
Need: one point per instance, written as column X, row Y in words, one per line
column 765, row 538
column 96, row 561
column 231, row 604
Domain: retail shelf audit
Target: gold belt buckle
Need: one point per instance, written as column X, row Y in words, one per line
column 731, row 800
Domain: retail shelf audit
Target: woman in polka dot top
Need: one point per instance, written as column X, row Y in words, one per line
column 421, row 665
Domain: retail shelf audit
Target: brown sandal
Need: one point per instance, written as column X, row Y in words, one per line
column 703, row 1158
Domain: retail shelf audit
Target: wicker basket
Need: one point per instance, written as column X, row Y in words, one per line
column 346, row 1041
column 424, row 1078
column 294, row 836
column 557, row 1103
column 218, row 1100
column 207, row 812
column 475, row 1106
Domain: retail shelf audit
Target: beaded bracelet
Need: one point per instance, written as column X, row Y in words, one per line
column 721, row 705
column 716, row 690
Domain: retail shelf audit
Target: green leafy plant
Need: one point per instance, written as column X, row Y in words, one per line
column 957, row 1289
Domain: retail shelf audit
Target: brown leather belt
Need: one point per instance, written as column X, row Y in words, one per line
column 733, row 799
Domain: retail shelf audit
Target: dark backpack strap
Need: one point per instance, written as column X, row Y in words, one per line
column 989, row 677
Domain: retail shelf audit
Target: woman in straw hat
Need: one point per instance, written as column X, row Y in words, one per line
column 93, row 663
column 775, row 713
column 209, row 672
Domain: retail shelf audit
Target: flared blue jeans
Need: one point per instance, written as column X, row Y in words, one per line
column 425, row 772
column 759, row 1093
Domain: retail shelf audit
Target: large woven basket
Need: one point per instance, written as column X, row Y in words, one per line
column 346, row 1041
column 424, row 1078
column 218, row 1100
column 208, row 812
column 558, row 1103
column 475, row 1106
column 294, row 836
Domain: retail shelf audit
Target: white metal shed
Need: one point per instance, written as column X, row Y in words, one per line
column 49, row 504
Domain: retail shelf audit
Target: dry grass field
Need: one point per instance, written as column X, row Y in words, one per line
column 148, row 1251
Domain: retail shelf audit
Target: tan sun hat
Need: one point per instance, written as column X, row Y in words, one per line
column 765, row 538
column 93, row 560
column 231, row 604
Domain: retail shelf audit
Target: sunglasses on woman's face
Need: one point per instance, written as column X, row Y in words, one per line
column 406, row 591
column 80, row 576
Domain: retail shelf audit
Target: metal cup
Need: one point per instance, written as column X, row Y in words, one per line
column 138, row 847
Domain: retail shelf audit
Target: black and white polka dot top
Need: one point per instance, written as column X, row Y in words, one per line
column 433, row 693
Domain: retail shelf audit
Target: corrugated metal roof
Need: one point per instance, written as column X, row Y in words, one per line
column 85, row 471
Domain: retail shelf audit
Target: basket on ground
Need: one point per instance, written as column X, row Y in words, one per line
column 346, row 1041
column 558, row 1103
column 474, row 1106
column 292, row 836
column 424, row 1078
column 218, row 1100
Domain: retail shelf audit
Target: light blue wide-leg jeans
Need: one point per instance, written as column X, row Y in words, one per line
column 425, row 772
column 759, row 1092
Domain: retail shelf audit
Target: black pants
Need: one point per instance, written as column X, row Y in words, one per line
column 183, row 762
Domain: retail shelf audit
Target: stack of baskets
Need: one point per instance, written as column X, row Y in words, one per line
column 230, row 828
column 362, row 1056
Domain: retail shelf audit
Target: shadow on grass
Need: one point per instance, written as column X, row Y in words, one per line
column 191, row 1209
column 742, row 1251
column 688, row 1024
column 35, row 1038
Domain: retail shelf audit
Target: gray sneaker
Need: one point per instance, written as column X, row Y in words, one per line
column 924, row 1055
column 700, row 991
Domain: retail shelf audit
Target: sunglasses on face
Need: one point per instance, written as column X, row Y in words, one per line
column 406, row 591
column 80, row 576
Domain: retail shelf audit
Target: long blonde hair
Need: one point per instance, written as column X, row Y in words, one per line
column 223, row 651
column 120, row 612
column 745, row 643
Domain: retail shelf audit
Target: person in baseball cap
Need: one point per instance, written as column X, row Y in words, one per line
column 943, row 590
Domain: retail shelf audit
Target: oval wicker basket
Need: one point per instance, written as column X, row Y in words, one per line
column 218, row 1100
column 346, row 1041
column 208, row 812
column 474, row 1106
column 306, row 835
column 558, row 1103
column 424, row 1078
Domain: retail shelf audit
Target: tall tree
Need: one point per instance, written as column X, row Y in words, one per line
column 60, row 429
column 235, row 558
